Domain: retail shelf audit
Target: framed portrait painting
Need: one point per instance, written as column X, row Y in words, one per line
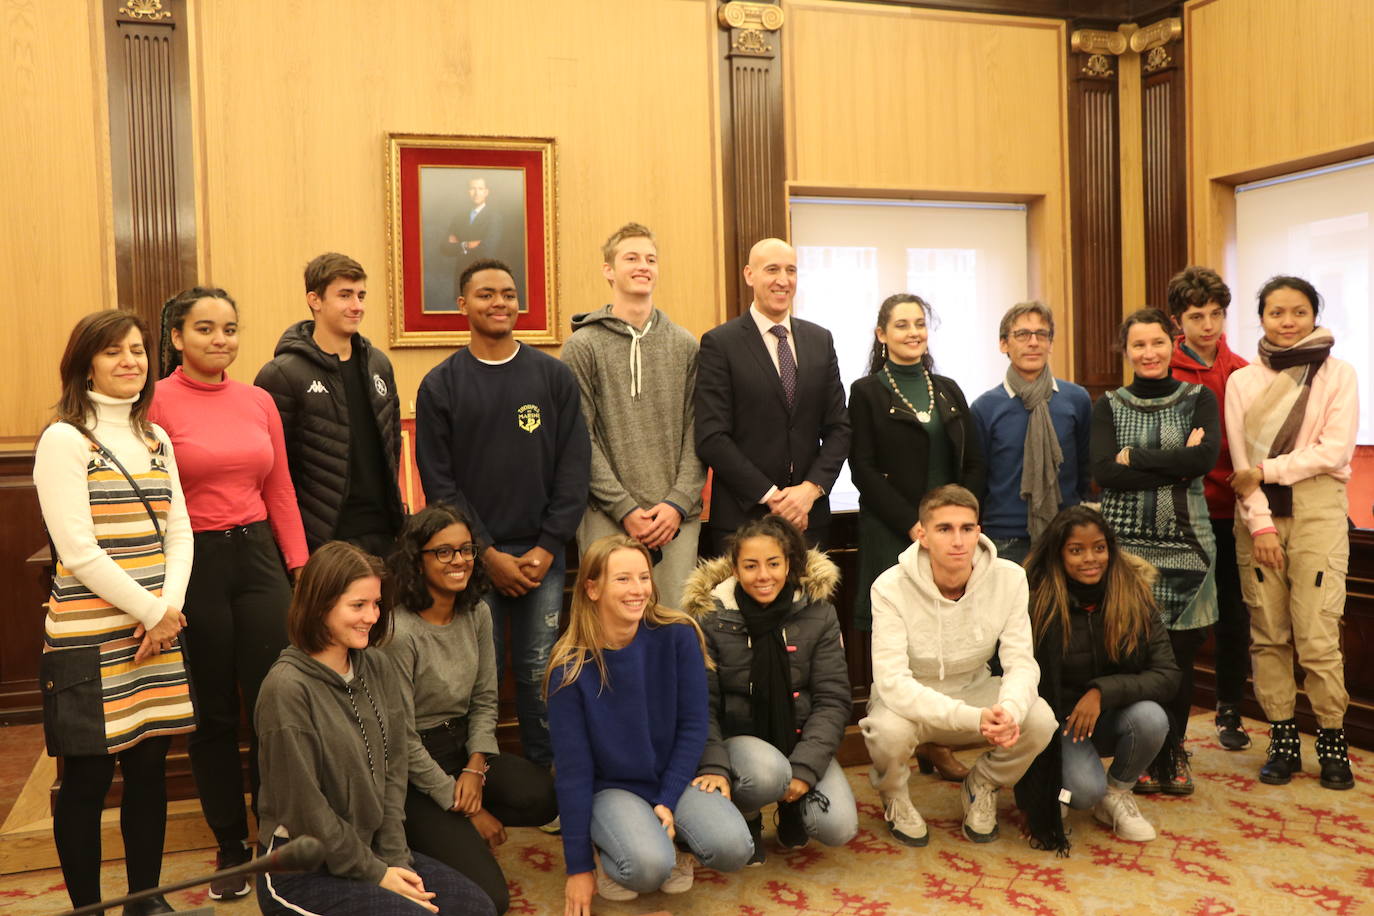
column 452, row 201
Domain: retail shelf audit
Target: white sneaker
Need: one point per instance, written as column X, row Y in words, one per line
column 553, row 826
column 607, row 888
column 1118, row 811
column 979, row 798
column 683, row 874
column 904, row 820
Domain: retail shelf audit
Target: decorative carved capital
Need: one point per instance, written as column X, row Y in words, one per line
column 750, row 42
column 1097, row 43
column 754, row 16
column 144, row 11
column 1157, row 59
column 1156, row 35
column 1098, row 65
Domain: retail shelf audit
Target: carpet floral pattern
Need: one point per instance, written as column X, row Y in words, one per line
column 1235, row 848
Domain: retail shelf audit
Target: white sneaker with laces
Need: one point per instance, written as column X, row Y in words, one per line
column 1119, row 811
column 683, row 874
column 904, row 820
column 979, row 798
column 608, row 889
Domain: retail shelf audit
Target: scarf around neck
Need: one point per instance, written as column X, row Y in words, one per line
column 1272, row 422
column 770, row 671
column 1042, row 456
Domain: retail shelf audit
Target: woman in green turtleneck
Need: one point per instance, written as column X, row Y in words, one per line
column 912, row 432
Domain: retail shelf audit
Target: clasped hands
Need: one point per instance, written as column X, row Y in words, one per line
column 652, row 527
column 997, row 726
column 160, row 638
column 794, row 503
column 515, row 576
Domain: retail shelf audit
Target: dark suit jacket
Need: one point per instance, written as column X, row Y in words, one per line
column 488, row 228
column 746, row 433
column 891, row 448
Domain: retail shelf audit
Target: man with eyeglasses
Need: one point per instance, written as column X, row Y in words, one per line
column 1034, row 431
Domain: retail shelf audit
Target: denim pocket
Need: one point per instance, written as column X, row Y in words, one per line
column 73, row 705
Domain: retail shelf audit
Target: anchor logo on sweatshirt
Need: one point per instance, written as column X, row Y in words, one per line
column 527, row 416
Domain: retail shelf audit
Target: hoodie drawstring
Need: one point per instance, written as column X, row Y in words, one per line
column 636, row 366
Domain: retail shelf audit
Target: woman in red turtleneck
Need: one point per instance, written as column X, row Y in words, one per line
column 228, row 440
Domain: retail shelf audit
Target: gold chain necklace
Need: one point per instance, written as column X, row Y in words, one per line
column 922, row 415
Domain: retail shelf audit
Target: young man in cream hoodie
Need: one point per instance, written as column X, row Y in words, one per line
column 938, row 617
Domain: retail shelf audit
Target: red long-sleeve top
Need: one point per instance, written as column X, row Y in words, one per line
column 231, row 456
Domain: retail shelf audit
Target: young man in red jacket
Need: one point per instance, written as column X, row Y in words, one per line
column 1197, row 302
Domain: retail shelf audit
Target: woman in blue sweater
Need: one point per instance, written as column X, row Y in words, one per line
column 626, row 689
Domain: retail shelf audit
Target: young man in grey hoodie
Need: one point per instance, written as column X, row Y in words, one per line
column 637, row 371
column 939, row 615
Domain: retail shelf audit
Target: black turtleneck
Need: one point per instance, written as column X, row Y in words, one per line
column 1154, row 467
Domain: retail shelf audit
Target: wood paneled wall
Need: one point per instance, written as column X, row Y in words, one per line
column 292, row 139
column 927, row 103
column 56, row 240
column 1273, row 86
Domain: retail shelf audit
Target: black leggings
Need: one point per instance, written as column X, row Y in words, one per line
column 142, row 817
column 518, row 793
column 1185, row 644
column 236, row 605
column 1232, row 645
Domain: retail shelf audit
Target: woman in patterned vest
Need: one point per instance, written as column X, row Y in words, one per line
column 1152, row 441
column 113, row 679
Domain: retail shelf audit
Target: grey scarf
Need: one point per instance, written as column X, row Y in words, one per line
column 1043, row 456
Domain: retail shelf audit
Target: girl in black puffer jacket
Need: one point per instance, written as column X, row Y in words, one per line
column 1106, row 669
column 780, row 696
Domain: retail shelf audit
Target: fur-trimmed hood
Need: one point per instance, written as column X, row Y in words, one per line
column 712, row 583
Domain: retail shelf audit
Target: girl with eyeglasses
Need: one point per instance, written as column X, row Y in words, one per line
column 463, row 791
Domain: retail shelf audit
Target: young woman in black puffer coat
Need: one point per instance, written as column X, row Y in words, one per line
column 780, row 695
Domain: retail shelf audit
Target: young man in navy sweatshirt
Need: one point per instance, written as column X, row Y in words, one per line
column 499, row 434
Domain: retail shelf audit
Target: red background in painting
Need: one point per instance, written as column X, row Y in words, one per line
column 536, row 318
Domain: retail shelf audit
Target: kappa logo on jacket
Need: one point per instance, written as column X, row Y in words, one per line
column 317, row 387
column 379, row 384
column 527, row 416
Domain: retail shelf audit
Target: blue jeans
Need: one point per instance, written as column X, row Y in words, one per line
column 636, row 852
column 533, row 620
column 1014, row 549
column 761, row 775
column 1132, row 735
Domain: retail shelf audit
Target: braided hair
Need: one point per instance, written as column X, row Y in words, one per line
column 174, row 316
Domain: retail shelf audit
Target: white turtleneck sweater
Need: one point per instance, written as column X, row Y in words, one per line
column 59, row 473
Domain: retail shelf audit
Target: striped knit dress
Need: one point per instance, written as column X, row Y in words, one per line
column 136, row 699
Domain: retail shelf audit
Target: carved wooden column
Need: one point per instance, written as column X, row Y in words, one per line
column 752, row 135
column 1163, row 153
column 150, row 152
column 1095, row 205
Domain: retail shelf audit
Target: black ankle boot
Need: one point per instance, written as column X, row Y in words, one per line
column 148, row 906
column 1334, row 758
column 1285, row 753
column 791, row 828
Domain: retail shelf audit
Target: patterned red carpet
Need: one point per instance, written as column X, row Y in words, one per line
column 1235, row 847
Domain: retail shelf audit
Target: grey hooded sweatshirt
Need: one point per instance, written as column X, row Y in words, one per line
column 333, row 760
column 637, row 399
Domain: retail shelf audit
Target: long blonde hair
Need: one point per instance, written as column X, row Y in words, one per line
column 583, row 638
column 1128, row 603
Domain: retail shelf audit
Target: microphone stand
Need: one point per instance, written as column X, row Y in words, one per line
column 307, row 858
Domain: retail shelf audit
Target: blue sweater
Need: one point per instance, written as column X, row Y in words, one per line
column 507, row 445
column 1002, row 421
column 644, row 732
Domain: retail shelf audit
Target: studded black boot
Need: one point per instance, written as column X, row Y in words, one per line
column 1334, row 758
column 1285, row 753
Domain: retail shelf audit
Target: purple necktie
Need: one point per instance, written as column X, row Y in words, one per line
column 787, row 364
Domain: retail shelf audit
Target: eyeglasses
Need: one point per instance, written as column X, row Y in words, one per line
column 445, row 554
column 1022, row 335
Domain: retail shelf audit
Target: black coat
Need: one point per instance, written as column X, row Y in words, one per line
column 747, row 434
column 890, row 450
column 307, row 385
column 820, row 675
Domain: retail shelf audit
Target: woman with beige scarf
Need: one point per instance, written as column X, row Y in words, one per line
column 1291, row 419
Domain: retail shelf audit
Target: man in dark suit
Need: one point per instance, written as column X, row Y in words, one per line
column 474, row 233
column 770, row 414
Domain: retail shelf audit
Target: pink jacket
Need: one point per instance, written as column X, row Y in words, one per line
column 1326, row 439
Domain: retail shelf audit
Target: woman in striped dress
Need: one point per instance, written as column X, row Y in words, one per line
column 113, row 679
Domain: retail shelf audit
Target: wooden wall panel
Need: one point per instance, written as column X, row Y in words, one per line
column 627, row 87
column 54, row 238
column 1164, row 132
column 922, row 102
column 1273, row 86
column 26, row 591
